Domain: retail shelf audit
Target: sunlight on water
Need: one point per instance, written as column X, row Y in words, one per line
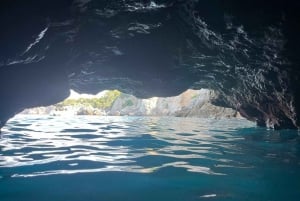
column 223, row 159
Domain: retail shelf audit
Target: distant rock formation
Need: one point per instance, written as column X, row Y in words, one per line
column 191, row 103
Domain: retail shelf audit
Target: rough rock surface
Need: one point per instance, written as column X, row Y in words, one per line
column 191, row 103
column 247, row 51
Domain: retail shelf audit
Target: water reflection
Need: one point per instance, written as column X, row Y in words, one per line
column 136, row 144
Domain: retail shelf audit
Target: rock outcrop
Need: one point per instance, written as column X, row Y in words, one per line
column 246, row 51
column 191, row 103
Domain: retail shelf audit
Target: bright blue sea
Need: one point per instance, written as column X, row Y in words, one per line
column 84, row 158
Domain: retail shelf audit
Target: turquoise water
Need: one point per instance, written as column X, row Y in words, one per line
column 85, row 158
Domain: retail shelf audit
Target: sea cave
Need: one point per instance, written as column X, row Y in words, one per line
column 245, row 53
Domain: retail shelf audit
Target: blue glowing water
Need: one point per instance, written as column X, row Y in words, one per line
column 84, row 158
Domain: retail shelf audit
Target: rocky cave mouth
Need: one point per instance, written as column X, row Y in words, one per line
column 245, row 51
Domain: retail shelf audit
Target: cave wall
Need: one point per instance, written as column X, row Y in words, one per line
column 246, row 51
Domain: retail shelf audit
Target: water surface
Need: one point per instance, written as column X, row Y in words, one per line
column 86, row 158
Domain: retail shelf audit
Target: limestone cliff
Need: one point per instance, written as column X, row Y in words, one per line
column 191, row 103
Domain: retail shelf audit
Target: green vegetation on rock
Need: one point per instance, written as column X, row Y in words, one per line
column 103, row 102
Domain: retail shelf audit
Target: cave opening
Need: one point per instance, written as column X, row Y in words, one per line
column 190, row 103
column 152, row 49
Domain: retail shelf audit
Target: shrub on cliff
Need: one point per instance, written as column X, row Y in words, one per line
column 103, row 102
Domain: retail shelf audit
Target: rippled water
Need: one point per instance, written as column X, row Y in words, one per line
column 87, row 158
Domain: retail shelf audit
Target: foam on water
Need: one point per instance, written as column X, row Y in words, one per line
column 146, row 158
